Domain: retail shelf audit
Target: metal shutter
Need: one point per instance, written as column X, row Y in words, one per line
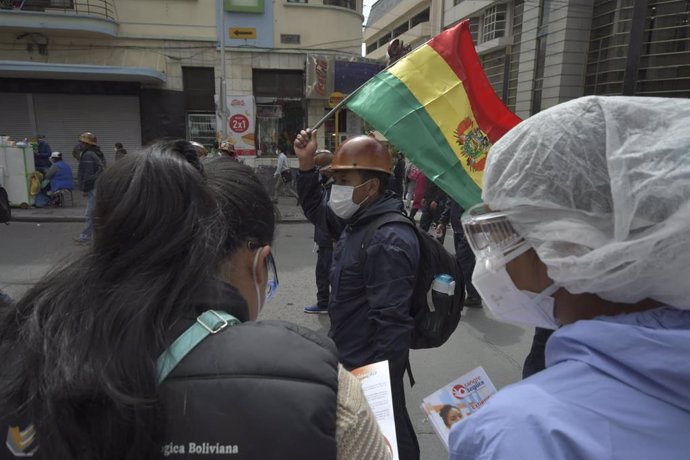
column 62, row 117
column 14, row 116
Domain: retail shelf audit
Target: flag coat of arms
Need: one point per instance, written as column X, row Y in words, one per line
column 437, row 107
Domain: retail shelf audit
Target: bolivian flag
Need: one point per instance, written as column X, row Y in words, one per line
column 437, row 107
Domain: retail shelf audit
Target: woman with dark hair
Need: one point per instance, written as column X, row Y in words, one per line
column 97, row 361
column 450, row 415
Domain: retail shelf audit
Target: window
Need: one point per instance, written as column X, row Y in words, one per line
column 199, row 88
column 40, row 5
column 372, row 47
column 278, row 83
column 420, row 18
column 401, row 29
column 349, row 4
column 494, row 22
column 290, row 39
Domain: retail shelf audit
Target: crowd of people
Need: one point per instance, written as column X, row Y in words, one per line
column 149, row 343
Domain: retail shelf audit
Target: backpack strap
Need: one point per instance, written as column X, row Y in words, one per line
column 208, row 323
column 369, row 232
column 382, row 220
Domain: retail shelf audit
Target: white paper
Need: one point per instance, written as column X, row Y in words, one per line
column 376, row 385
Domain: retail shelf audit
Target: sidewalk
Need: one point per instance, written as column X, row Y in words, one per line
column 288, row 212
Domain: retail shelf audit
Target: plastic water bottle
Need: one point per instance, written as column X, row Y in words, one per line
column 442, row 288
column 444, row 284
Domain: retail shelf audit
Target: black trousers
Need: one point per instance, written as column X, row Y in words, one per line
column 408, row 446
column 466, row 260
column 536, row 361
column 324, row 256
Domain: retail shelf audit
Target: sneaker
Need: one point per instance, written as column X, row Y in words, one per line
column 81, row 242
column 316, row 309
column 473, row 302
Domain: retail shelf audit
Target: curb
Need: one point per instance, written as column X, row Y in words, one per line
column 72, row 219
column 55, row 219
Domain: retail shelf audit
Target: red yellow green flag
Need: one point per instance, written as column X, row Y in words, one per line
column 437, row 106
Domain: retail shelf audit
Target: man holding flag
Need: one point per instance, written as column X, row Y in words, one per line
column 371, row 287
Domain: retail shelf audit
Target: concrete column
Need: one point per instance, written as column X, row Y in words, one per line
column 527, row 57
column 566, row 51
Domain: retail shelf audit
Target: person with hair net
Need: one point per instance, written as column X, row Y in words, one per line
column 586, row 226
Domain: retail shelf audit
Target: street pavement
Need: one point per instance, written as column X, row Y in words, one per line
column 29, row 249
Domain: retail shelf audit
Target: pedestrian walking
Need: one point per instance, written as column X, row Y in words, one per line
column 282, row 177
column 584, row 225
column 452, row 214
column 372, row 287
column 91, row 165
column 120, row 151
column 148, row 346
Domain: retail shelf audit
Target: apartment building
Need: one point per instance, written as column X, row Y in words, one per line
column 540, row 53
column 412, row 21
column 134, row 71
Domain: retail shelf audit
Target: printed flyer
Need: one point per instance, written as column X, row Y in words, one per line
column 376, row 385
column 458, row 400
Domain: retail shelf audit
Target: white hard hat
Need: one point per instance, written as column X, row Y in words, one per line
column 56, row 155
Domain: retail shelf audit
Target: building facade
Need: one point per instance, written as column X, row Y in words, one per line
column 539, row 54
column 134, row 71
column 411, row 21
column 297, row 59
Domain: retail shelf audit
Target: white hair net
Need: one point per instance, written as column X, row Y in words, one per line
column 600, row 187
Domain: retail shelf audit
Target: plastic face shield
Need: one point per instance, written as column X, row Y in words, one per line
column 490, row 234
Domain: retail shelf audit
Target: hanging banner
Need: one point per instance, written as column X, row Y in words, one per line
column 320, row 75
column 241, row 124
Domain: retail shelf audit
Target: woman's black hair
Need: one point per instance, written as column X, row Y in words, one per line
column 79, row 349
column 445, row 412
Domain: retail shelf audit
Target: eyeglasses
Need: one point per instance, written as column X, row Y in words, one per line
column 489, row 231
column 271, row 270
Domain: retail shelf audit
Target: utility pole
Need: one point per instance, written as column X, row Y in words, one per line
column 223, row 98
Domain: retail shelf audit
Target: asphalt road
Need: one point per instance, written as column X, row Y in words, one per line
column 28, row 250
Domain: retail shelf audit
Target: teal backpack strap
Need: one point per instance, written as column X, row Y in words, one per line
column 207, row 323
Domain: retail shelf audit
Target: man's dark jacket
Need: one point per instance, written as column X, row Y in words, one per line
column 91, row 165
column 371, row 290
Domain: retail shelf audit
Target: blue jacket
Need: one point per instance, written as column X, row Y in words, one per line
column 371, row 290
column 614, row 388
column 63, row 179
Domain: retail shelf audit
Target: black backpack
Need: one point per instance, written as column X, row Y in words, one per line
column 5, row 210
column 434, row 322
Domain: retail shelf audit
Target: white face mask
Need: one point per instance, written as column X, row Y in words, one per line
column 341, row 201
column 509, row 304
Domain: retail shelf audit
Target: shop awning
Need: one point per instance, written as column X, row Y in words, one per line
column 26, row 69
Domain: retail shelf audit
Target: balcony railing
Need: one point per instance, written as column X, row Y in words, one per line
column 102, row 8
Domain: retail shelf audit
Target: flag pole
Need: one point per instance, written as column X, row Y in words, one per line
column 344, row 101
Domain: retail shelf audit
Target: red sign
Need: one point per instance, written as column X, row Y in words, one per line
column 238, row 123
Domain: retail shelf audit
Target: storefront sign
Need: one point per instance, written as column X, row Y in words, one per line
column 319, row 76
column 335, row 99
column 241, row 116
